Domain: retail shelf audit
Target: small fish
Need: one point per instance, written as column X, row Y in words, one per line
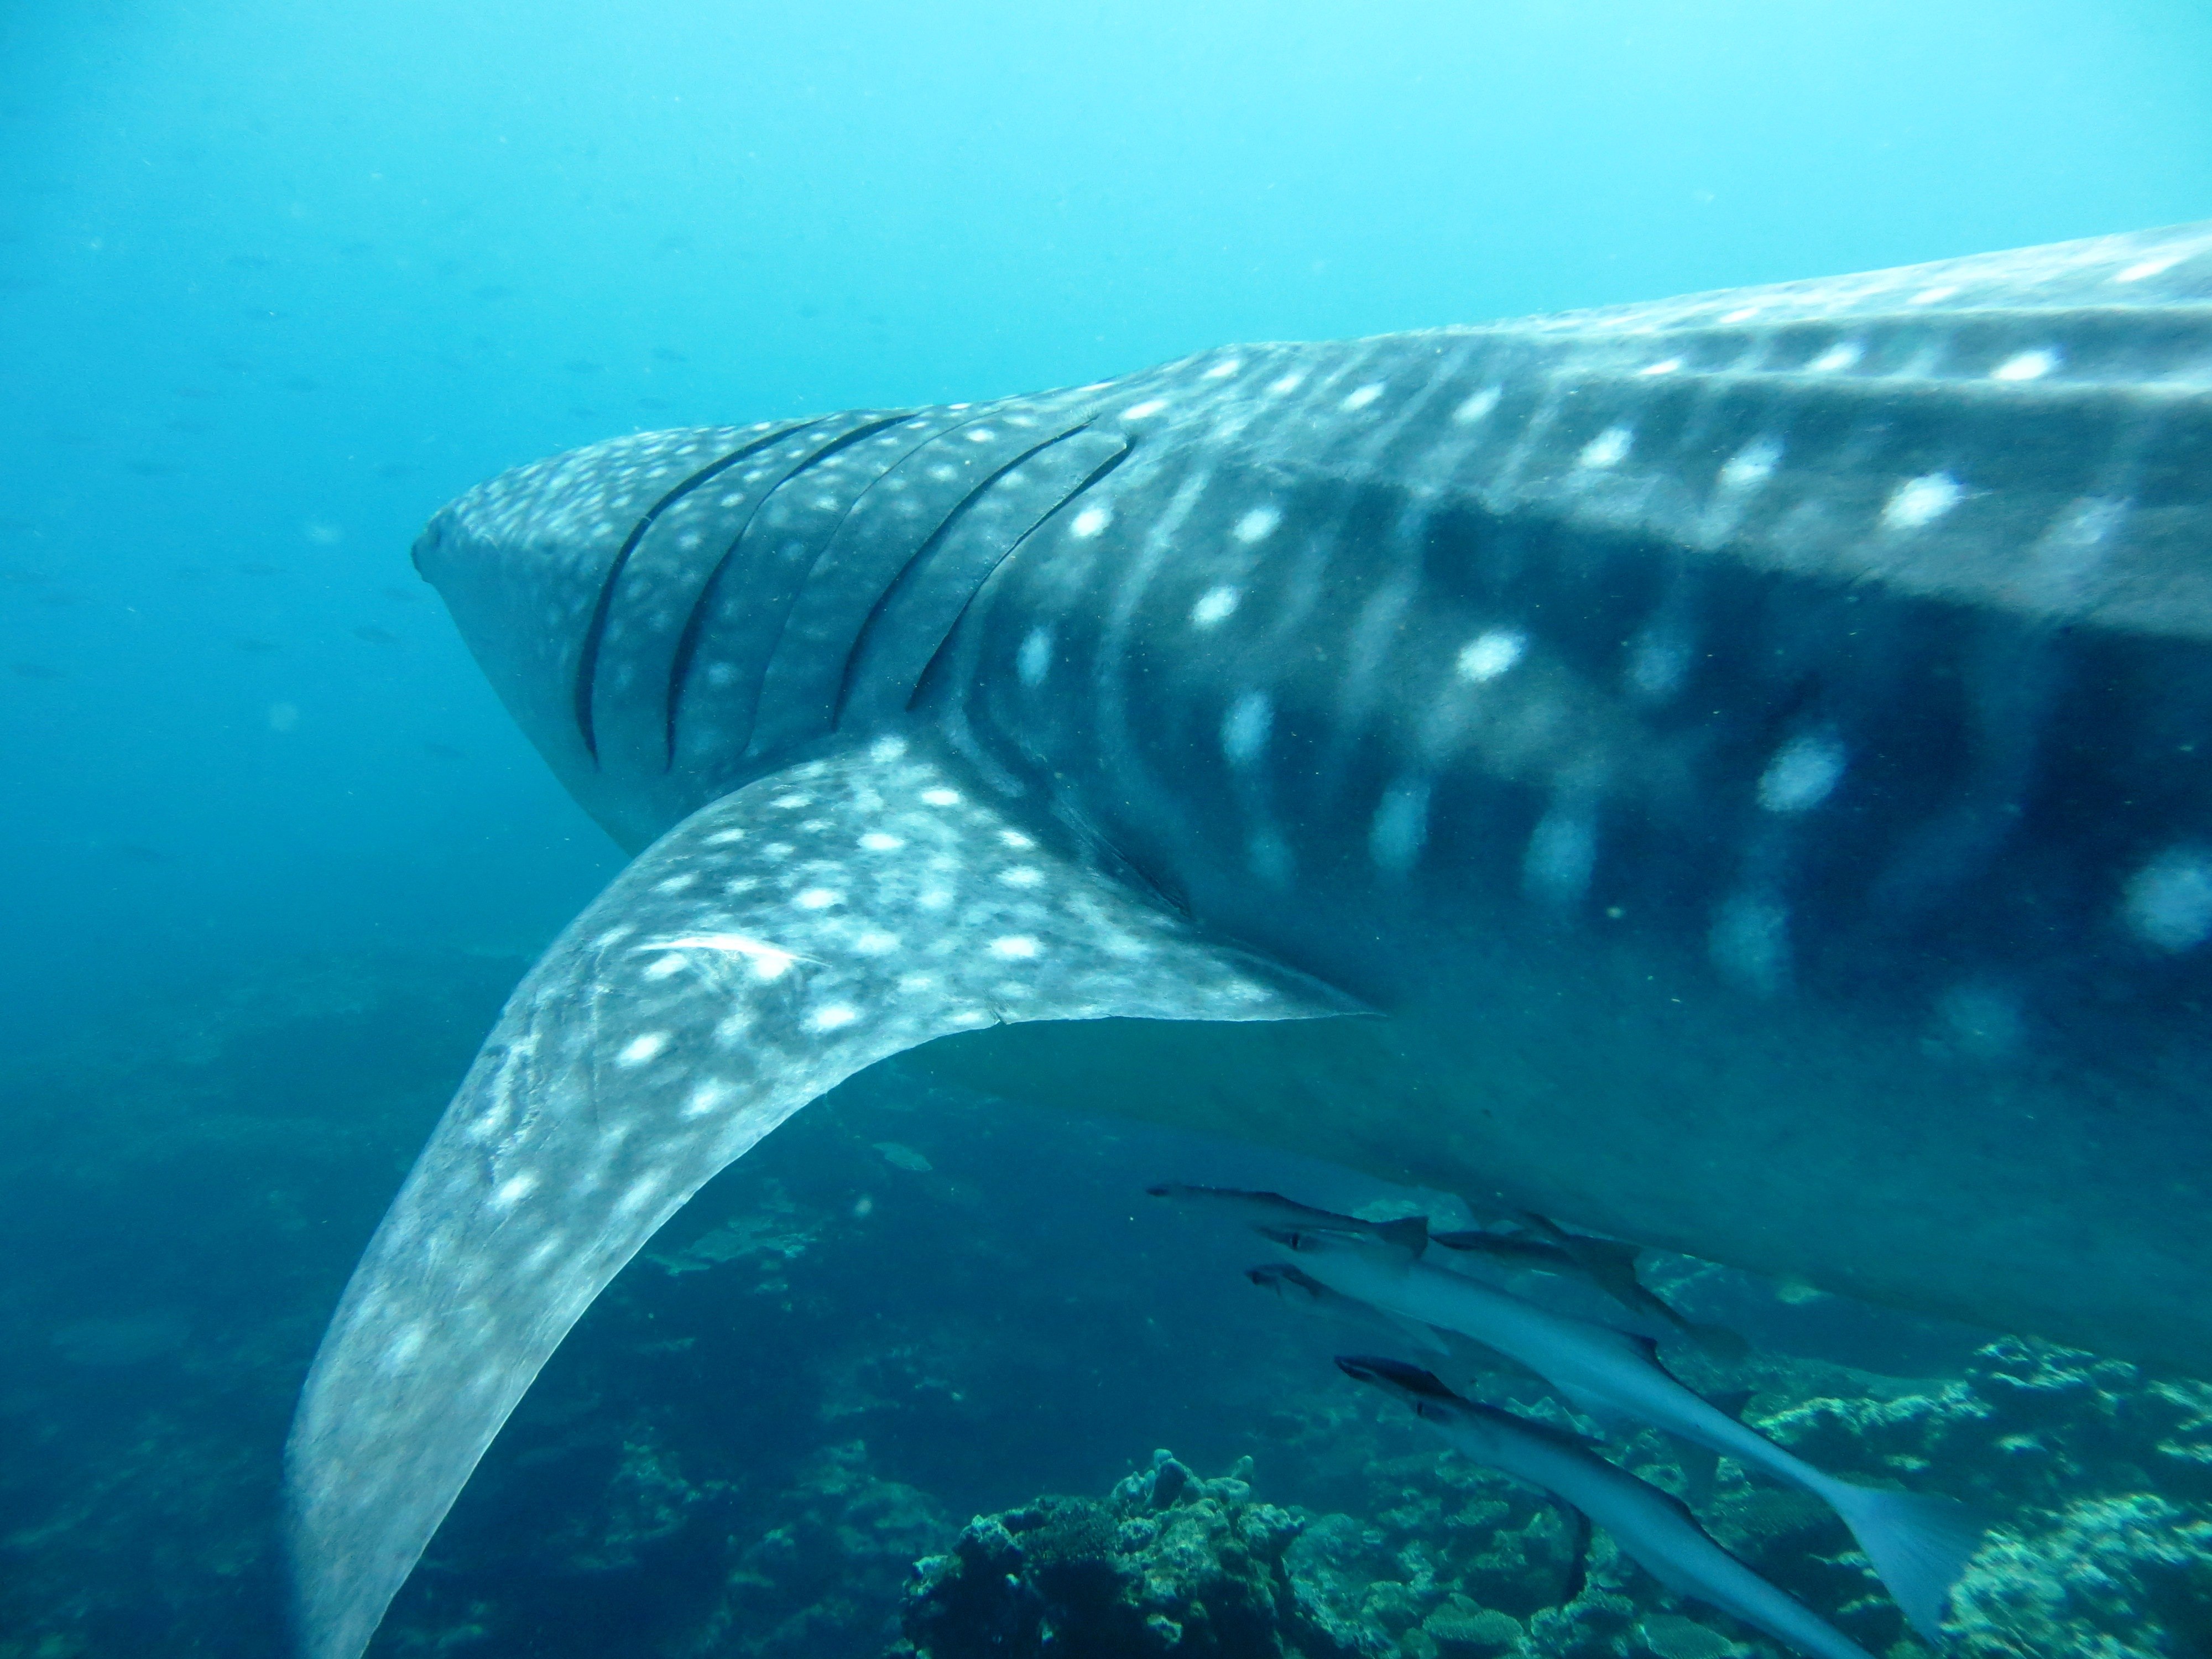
column 1918, row 1545
column 1652, row 1528
column 904, row 1158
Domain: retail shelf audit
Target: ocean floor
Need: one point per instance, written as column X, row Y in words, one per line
column 816, row 1418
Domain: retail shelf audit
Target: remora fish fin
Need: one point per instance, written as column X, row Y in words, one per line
column 1421, row 1336
column 1919, row 1546
column 1578, row 1532
column 1407, row 1233
column 780, row 940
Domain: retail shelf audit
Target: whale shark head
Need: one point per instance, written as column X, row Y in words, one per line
column 670, row 615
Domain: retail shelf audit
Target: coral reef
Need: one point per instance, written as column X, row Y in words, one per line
column 1168, row 1564
column 834, row 1353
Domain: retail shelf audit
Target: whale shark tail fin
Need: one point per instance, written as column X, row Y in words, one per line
column 1919, row 1546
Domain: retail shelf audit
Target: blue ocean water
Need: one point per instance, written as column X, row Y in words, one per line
column 279, row 281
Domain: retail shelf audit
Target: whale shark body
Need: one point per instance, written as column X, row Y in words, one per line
column 1734, row 773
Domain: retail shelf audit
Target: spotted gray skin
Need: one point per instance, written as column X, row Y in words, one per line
column 1745, row 749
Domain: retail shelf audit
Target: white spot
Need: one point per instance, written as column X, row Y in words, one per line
column 884, row 750
column 676, row 883
column 818, row 898
column 665, row 966
column 940, row 798
column 831, row 1018
column 1364, row 396
column 876, row 945
column 1400, row 826
column 1608, row 448
column 1929, row 296
column 1753, row 463
column 1803, row 773
column 1288, row 384
column 913, row 984
column 876, row 842
column 405, row 1346
column 1222, row 371
column 1488, row 655
column 1139, row 411
column 767, row 961
column 1477, row 406
column 1837, row 358
column 725, row 838
column 980, row 435
column 1023, row 875
column 1667, row 368
column 1216, row 605
column 1657, row 661
column 2027, row 366
column 1015, row 947
column 2169, row 900
column 1244, row 728
column 791, row 803
column 1015, row 839
column 1922, row 500
column 512, row 1190
column 706, row 1097
column 1258, row 525
column 640, row 1049
column 1750, row 943
column 2157, row 266
column 1088, row 522
column 1562, row 852
column 1034, row 661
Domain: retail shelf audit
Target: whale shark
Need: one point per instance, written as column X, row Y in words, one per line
column 1732, row 773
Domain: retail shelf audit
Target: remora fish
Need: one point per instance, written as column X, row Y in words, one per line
column 1599, row 1264
column 1746, row 747
column 1918, row 1545
column 1257, row 1209
column 1653, row 1528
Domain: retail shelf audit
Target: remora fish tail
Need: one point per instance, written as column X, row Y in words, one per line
column 1919, row 1546
column 1650, row 1527
column 1746, row 746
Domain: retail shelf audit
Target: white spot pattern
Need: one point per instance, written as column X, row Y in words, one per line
column 1918, row 502
column 1215, row 605
column 2026, row 366
column 1258, row 525
column 1244, row 728
column 2168, row 902
column 1609, row 448
column 1490, row 655
column 1803, row 773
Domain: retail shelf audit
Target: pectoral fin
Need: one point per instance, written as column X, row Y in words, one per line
column 776, row 942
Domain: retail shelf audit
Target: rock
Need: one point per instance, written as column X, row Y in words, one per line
column 1168, row 1564
column 1463, row 1630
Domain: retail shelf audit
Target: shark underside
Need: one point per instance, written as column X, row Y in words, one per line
column 1733, row 774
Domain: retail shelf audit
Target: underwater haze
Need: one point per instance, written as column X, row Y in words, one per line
column 277, row 281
